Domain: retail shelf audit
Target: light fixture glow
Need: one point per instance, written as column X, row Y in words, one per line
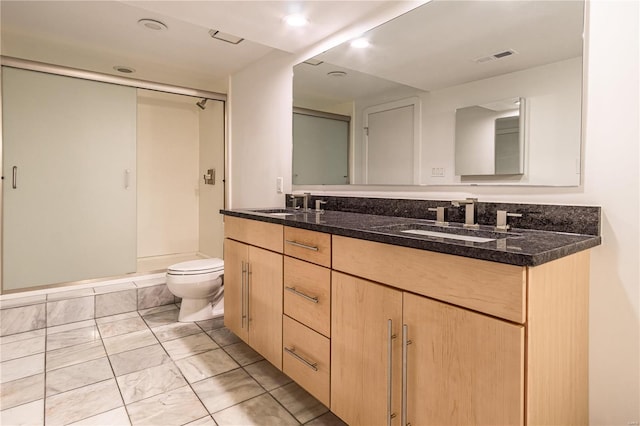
column 360, row 43
column 296, row 20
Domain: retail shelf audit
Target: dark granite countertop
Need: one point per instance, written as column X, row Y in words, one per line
column 522, row 247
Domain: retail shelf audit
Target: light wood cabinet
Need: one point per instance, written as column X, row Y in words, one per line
column 307, row 305
column 307, row 294
column 365, row 351
column 406, row 336
column 306, row 358
column 308, row 245
column 253, row 289
column 508, row 351
column 461, row 367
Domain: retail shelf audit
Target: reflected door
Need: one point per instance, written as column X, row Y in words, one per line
column 69, row 193
column 320, row 150
column 390, row 145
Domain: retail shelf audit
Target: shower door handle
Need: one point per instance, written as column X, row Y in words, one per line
column 14, row 178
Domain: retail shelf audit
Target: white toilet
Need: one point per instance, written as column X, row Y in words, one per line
column 200, row 285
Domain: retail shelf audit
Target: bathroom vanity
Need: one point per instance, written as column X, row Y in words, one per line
column 386, row 326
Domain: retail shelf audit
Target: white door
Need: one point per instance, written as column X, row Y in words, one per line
column 69, row 193
column 391, row 141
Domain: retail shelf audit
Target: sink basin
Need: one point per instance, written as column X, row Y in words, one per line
column 452, row 233
column 470, row 238
column 277, row 212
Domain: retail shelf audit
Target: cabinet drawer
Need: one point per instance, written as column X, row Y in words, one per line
column 306, row 358
column 307, row 294
column 493, row 288
column 261, row 234
column 308, row 245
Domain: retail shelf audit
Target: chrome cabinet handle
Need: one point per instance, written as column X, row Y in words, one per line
column 405, row 343
column 14, row 181
column 248, row 294
column 390, row 337
column 127, row 178
column 293, row 290
column 244, row 271
column 297, row 244
column 311, row 365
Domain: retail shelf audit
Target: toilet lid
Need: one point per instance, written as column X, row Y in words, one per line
column 201, row 266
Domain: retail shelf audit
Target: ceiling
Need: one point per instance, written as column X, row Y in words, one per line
column 98, row 35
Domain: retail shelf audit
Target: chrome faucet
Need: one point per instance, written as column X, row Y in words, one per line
column 440, row 215
column 501, row 220
column 469, row 211
column 305, row 200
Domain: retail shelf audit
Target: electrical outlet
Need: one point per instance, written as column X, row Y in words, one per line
column 279, row 184
column 437, row 172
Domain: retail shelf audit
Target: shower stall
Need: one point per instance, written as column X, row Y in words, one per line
column 103, row 179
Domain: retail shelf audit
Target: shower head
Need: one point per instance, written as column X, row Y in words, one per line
column 201, row 104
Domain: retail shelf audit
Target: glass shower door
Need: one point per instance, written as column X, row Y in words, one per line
column 69, row 188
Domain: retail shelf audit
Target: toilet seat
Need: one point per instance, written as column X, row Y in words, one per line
column 196, row 267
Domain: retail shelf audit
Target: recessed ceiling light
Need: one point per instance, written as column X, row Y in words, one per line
column 123, row 69
column 152, row 24
column 360, row 43
column 296, row 20
column 337, row 74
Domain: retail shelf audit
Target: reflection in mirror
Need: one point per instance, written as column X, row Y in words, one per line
column 320, row 147
column 490, row 139
column 454, row 54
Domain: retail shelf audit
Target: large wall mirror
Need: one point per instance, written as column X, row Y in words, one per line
column 403, row 90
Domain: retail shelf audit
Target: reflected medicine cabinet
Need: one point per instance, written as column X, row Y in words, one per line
column 490, row 138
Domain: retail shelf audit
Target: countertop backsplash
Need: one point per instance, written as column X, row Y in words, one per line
column 583, row 220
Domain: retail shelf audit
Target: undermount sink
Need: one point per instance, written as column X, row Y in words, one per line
column 277, row 212
column 470, row 238
column 452, row 233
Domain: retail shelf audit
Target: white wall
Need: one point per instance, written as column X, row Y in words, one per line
column 611, row 180
column 260, row 131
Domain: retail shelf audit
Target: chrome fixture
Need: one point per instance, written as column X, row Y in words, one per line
column 306, row 197
column 201, row 103
column 210, row 177
column 501, row 220
column 294, row 200
column 319, row 204
column 469, row 211
column 440, row 215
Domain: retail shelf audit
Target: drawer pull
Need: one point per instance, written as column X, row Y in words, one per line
column 301, row 294
column 297, row 244
column 292, row 352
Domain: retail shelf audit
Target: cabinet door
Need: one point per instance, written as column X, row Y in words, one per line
column 462, row 367
column 236, row 258
column 265, row 304
column 360, row 363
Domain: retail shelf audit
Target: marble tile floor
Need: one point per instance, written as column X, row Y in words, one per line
column 145, row 368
